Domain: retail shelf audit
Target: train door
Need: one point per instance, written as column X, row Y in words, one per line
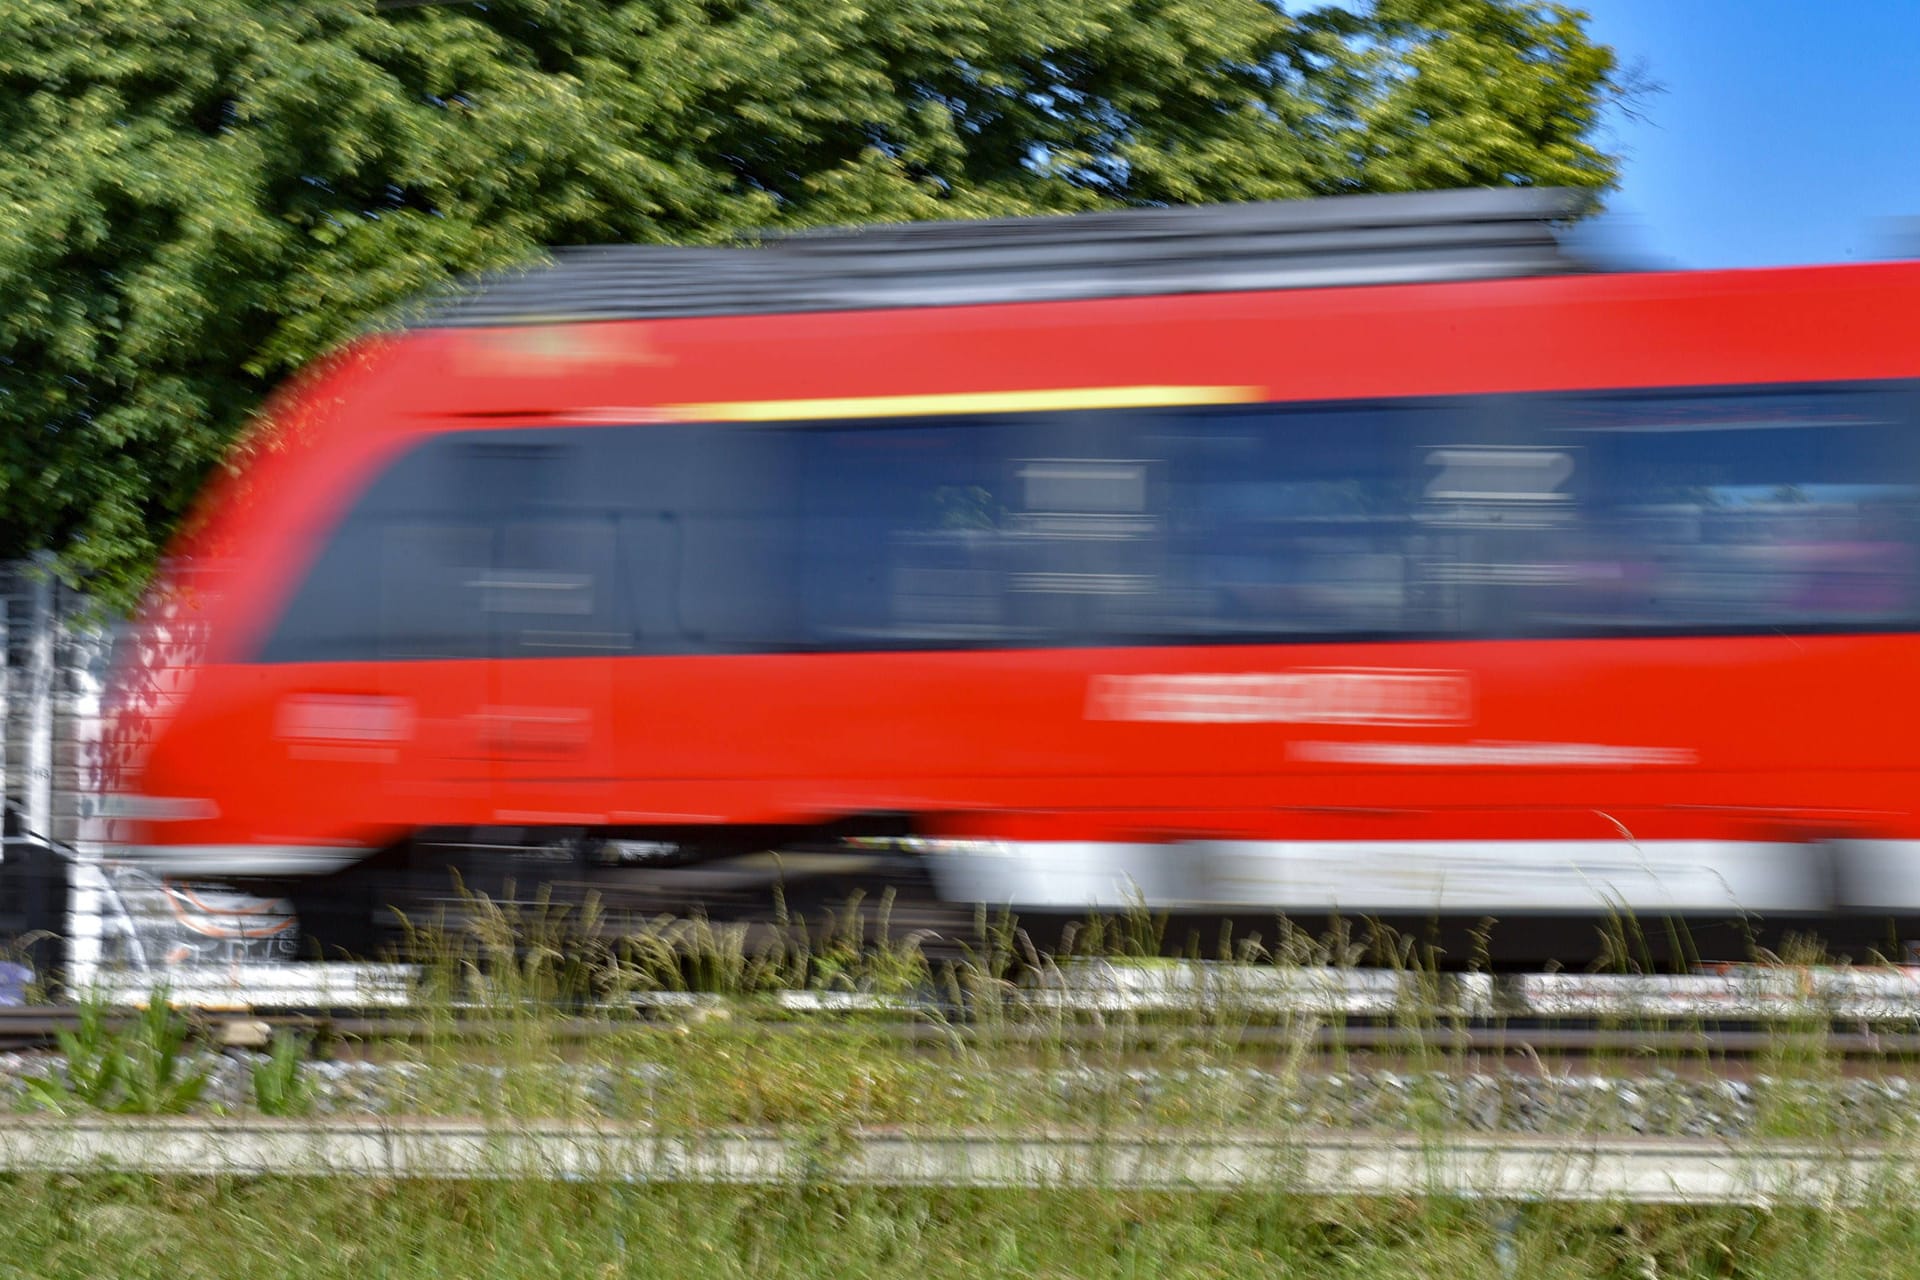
column 708, row 549
column 432, row 645
column 557, row 620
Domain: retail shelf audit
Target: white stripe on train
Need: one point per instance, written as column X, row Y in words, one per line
column 1413, row 876
column 1438, row 876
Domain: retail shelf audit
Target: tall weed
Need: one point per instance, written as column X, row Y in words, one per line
column 141, row 1067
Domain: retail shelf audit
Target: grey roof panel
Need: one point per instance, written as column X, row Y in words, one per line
column 1344, row 240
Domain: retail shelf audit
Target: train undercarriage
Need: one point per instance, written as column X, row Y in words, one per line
column 766, row 880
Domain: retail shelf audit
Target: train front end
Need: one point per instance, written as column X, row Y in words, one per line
column 186, row 790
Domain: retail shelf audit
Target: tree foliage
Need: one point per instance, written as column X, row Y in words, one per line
column 198, row 196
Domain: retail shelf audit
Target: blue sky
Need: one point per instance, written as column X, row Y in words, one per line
column 1788, row 131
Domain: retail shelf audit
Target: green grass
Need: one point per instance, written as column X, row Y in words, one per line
column 992, row 1051
column 172, row 1229
column 993, row 1056
column 503, row 993
column 740, row 1061
column 141, row 1068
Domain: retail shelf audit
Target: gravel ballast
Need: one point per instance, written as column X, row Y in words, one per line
column 1652, row 1103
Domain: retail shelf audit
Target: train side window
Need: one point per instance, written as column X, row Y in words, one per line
column 1084, row 528
column 735, row 590
column 554, row 588
column 706, row 537
column 1295, row 522
column 1725, row 510
column 415, row 568
column 904, row 535
column 335, row 614
column 431, row 578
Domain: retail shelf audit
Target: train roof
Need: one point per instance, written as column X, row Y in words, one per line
column 1333, row 241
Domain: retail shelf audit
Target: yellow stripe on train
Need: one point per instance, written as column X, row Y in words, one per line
column 968, row 402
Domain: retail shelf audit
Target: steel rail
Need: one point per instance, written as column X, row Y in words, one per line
column 1743, row 1011
column 39, row 1029
column 1752, row 992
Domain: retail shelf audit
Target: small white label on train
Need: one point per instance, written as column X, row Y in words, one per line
column 1326, row 695
column 321, row 717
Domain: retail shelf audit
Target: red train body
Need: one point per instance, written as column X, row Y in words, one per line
column 1504, row 594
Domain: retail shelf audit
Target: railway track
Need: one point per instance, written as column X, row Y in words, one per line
column 1726, row 1013
column 1742, row 1013
column 1668, row 1049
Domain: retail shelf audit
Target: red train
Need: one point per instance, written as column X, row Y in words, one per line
column 1370, row 554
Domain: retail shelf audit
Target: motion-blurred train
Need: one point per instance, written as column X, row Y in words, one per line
column 1372, row 554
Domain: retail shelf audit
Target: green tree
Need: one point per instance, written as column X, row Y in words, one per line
column 199, row 196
